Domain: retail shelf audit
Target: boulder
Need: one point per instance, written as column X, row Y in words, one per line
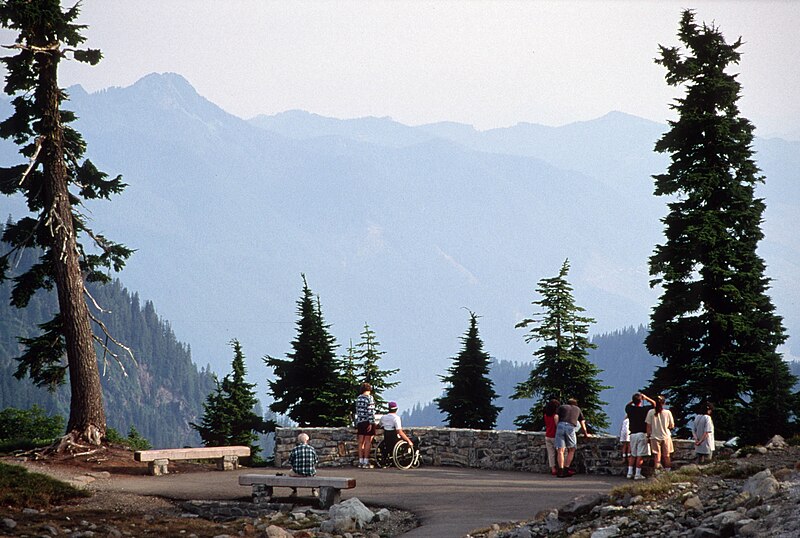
column 347, row 516
column 762, row 484
column 580, row 506
column 777, row 443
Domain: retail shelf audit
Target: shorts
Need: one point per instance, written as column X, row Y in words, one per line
column 565, row 436
column 366, row 428
column 663, row 446
column 639, row 445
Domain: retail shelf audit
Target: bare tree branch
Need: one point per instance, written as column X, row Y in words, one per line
column 94, row 302
column 33, row 159
column 117, row 342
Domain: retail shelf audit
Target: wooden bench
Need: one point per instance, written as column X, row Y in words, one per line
column 329, row 486
column 227, row 457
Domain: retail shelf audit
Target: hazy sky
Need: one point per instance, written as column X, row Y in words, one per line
column 487, row 63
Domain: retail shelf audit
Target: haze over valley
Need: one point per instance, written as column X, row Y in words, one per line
column 401, row 227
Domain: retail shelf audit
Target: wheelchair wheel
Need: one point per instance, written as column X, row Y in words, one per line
column 381, row 458
column 403, row 455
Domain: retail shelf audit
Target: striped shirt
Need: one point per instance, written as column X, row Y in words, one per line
column 365, row 408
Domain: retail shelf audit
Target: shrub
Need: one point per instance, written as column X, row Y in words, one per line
column 20, row 488
column 134, row 440
column 29, row 428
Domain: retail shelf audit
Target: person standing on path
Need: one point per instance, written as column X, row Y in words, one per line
column 703, row 433
column 365, row 424
column 659, row 425
column 640, row 448
column 570, row 417
column 550, row 422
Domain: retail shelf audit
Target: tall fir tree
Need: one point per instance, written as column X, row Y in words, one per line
column 230, row 417
column 368, row 355
column 468, row 397
column 55, row 183
column 309, row 384
column 562, row 369
column 350, row 370
column 714, row 326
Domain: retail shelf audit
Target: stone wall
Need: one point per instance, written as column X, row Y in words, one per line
column 481, row 449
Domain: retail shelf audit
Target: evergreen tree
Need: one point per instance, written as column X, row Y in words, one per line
column 714, row 325
column 350, row 370
column 368, row 356
column 54, row 183
column 230, row 417
column 467, row 400
column 563, row 370
column 309, row 383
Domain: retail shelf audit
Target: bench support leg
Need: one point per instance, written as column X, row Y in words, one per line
column 261, row 493
column 158, row 467
column 228, row 463
column 328, row 496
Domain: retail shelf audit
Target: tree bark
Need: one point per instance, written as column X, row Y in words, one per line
column 87, row 420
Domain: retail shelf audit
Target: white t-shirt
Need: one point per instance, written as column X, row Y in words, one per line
column 390, row 421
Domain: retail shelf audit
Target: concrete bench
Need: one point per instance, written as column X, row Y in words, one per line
column 329, row 486
column 227, row 457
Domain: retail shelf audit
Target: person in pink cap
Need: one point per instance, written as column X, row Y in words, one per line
column 392, row 428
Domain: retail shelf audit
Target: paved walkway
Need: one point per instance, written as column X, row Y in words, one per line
column 450, row 502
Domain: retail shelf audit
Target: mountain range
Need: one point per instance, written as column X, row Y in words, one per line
column 402, row 227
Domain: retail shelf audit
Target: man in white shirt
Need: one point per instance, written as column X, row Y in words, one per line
column 392, row 428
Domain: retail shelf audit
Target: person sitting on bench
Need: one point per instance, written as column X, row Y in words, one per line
column 393, row 429
column 303, row 460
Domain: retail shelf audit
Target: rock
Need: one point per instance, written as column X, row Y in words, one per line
column 99, row 474
column 274, row 531
column 705, row 532
column 783, row 474
column 748, row 529
column 693, row 503
column 726, row 521
column 8, row 524
column 606, row 532
column 552, row 523
column 80, row 482
column 762, row 484
column 777, row 443
column 346, row 516
column 580, row 506
column 522, row 532
column 382, row 515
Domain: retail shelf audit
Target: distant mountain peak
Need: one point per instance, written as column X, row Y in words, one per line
column 165, row 81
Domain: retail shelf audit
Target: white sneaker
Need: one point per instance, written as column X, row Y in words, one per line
column 629, row 476
column 639, row 477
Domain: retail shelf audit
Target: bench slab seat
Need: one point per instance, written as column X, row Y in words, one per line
column 329, row 486
column 227, row 457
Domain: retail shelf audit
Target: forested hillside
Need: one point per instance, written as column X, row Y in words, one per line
column 161, row 393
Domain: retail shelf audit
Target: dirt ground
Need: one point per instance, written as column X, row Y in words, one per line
column 120, row 514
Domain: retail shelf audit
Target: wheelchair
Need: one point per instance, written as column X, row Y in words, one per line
column 402, row 456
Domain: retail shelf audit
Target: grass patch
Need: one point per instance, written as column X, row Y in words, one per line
column 653, row 488
column 20, row 488
column 729, row 469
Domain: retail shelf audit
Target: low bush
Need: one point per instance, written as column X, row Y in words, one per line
column 134, row 440
column 18, row 487
column 731, row 469
column 32, row 424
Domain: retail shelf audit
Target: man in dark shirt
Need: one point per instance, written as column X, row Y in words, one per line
column 569, row 417
column 640, row 448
